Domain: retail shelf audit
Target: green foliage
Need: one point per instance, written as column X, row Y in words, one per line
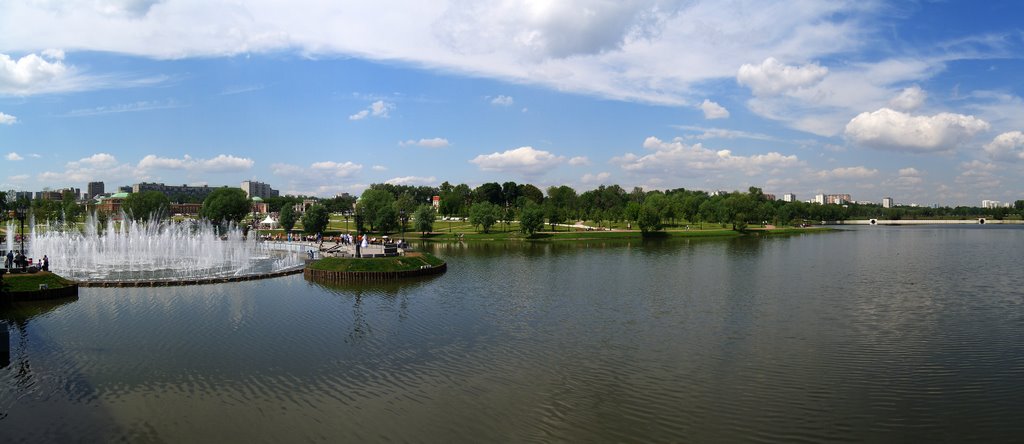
column 315, row 219
column 147, row 205
column 531, row 219
column 377, row 209
column 648, row 219
column 484, row 215
column 225, row 205
column 287, row 218
column 425, row 219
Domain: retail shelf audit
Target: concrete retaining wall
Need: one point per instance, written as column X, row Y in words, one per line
column 40, row 295
column 369, row 276
column 175, row 283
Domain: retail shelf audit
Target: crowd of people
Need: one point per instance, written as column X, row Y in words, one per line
column 17, row 260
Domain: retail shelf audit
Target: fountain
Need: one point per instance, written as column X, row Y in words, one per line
column 168, row 252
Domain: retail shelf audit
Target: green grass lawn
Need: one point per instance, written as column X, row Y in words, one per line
column 30, row 282
column 411, row 261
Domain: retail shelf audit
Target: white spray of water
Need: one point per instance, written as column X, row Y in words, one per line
column 132, row 251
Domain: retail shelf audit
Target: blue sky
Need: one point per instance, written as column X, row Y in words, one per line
column 920, row 101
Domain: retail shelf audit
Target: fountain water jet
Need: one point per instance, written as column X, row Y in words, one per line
column 132, row 251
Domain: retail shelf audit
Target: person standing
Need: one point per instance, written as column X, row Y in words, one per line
column 9, row 259
column 45, row 263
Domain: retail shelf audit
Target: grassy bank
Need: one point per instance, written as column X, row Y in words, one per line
column 411, row 261
column 605, row 235
column 30, row 282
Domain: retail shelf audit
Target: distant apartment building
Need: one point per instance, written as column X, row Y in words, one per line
column 124, row 189
column 990, row 203
column 768, row 196
column 258, row 189
column 887, row 202
column 173, row 191
column 94, row 189
column 819, row 199
column 789, row 197
column 838, row 199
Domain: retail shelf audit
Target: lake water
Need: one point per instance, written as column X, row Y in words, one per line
column 871, row 334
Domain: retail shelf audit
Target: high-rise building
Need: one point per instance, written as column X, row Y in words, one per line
column 789, row 197
column 819, row 199
column 886, row 202
column 173, row 191
column 95, row 189
column 258, row 189
column 990, row 203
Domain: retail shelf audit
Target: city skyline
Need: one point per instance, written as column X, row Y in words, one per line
column 919, row 102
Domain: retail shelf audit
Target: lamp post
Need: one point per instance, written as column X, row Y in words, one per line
column 402, row 217
column 21, row 212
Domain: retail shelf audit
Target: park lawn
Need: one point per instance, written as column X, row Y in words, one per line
column 411, row 261
column 31, row 281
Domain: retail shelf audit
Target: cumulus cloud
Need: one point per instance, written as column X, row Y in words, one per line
column 1006, row 146
column 379, row 109
column 7, row 119
column 595, row 178
column 713, row 110
column 436, row 142
column 412, row 180
column 336, row 169
column 909, row 172
column 676, row 157
column 579, row 161
column 14, row 156
column 857, row 172
column 100, row 166
column 220, row 164
column 524, row 160
column 31, row 73
column 893, row 130
column 909, row 99
column 772, row 77
column 503, row 101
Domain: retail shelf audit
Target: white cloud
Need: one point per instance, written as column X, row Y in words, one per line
column 676, row 157
column 379, row 109
column 7, row 119
column 31, row 73
column 379, row 168
column 909, row 99
column 713, row 110
column 614, row 49
column 503, row 101
column 721, row 133
column 595, row 178
column 436, row 142
column 412, row 180
column 14, row 156
column 909, row 172
column 336, row 169
column 893, row 130
column 772, row 77
column 524, row 160
column 579, row 161
column 857, row 172
column 101, row 166
column 1006, row 146
column 19, row 178
column 220, row 164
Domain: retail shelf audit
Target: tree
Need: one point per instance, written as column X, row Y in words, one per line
column 147, row 205
column 226, row 205
column 531, row 219
column 1018, row 205
column 377, row 208
column 287, row 218
column 70, row 207
column 425, row 219
column 648, row 220
column 483, row 214
column 315, row 219
column 489, row 192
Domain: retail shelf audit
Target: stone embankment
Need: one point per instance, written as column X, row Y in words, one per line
column 370, row 276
